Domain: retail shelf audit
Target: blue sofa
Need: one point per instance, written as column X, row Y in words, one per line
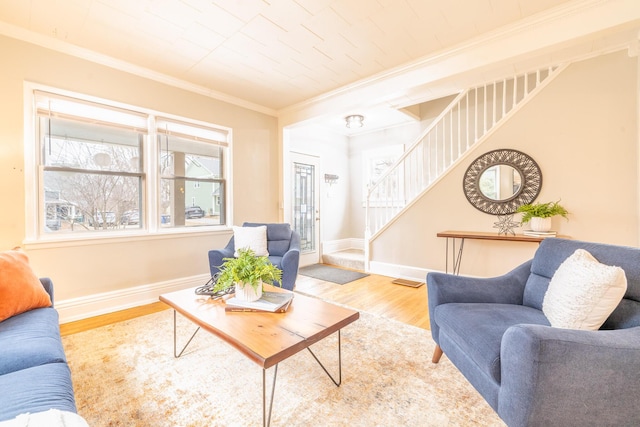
column 494, row 331
column 283, row 245
column 34, row 375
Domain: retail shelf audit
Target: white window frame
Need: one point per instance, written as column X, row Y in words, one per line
column 34, row 186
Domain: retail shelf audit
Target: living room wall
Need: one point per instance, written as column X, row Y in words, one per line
column 582, row 130
column 332, row 150
column 80, row 270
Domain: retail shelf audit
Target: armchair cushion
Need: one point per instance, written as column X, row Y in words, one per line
column 489, row 321
column 254, row 238
column 583, row 292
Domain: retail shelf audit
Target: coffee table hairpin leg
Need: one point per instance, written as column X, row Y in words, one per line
column 339, row 381
column 266, row 417
column 175, row 348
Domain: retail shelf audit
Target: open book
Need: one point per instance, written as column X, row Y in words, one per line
column 269, row 301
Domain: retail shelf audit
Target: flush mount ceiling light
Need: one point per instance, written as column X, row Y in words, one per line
column 354, row 121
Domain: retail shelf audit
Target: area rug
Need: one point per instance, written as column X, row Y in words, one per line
column 125, row 375
column 330, row 274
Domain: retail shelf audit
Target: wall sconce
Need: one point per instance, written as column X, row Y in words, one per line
column 330, row 179
column 354, row 121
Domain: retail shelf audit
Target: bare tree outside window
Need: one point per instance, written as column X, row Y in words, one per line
column 94, row 173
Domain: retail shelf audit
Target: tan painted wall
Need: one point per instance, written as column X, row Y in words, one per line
column 582, row 131
column 80, row 270
column 333, row 152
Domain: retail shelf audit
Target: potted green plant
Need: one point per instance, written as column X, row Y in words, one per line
column 540, row 214
column 247, row 272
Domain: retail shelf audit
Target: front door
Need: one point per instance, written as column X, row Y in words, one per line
column 305, row 206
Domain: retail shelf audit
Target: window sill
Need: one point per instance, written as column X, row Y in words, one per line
column 48, row 242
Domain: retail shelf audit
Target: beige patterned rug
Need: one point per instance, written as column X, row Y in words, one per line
column 125, row 375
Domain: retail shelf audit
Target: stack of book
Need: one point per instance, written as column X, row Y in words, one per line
column 273, row 302
column 539, row 233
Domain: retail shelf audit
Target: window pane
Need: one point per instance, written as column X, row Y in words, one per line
column 66, row 143
column 83, row 202
column 87, row 179
column 192, row 185
column 184, row 204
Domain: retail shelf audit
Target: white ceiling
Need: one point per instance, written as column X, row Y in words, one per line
column 269, row 54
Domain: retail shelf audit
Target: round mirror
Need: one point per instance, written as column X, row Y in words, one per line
column 500, row 181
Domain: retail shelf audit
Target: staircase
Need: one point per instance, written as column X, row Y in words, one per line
column 468, row 121
column 348, row 258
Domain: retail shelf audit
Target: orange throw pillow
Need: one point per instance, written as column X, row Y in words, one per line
column 20, row 289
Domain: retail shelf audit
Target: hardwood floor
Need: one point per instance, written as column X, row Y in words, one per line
column 374, row 294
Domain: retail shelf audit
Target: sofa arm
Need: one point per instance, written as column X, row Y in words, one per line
column 48, row 286
column 557, row 377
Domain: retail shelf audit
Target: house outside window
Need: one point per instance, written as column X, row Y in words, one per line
column 104, row 168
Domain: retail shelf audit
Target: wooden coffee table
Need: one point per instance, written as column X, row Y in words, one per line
column 265, row 338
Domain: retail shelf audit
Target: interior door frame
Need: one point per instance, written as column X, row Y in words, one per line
column 314, row 257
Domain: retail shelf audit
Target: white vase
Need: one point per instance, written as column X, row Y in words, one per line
column 246, row 292
column 540, row 224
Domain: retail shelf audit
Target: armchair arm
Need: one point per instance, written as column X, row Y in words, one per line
column 216, row 256
column 446, row 288
column 553, row 376
column 290, row 262
column 506, row 289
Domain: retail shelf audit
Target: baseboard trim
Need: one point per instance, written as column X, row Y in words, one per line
column 107, row 302
column 331, row 246
column 398, row 271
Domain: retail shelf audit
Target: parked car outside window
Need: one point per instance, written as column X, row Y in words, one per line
column 193, row 212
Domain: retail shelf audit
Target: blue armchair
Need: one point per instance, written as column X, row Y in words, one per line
column 494, row 331
column 283, row 245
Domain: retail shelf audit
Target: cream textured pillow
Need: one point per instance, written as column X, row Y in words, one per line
column 251, row 237
column 583, row 292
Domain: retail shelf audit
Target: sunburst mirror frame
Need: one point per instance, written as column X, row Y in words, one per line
column 527, row 168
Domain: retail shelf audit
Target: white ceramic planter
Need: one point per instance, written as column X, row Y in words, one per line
column 540, row 224
column 247, row 293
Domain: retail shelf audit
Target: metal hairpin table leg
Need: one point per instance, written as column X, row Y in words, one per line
column 339, row 381
column 175, row 350
column 457, row 260
column 266, row 418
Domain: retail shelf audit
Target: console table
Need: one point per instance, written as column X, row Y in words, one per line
column 478, row 235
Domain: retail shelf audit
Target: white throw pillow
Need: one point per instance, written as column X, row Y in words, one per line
column 583, row 292
column 251, row 237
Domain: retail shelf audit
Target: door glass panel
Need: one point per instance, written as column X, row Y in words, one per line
column 303, row 205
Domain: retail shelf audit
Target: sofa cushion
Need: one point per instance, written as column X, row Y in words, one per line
column 489, row 323
column 583, row 292
column 36, row 389
column 30, row 339
column 20, row 288
column 254, row 238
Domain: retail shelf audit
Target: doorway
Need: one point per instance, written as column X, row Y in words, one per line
column 305, row 205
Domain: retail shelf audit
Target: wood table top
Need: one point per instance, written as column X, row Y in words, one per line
column 265, row 338
column 483, row 235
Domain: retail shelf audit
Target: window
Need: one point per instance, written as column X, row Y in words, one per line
column 191, row 165
column 105, row 168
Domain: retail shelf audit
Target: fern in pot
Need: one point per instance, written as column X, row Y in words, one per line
column 540, row 214
column 246, row 273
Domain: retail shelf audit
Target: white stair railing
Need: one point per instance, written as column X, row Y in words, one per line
column 470, row 118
